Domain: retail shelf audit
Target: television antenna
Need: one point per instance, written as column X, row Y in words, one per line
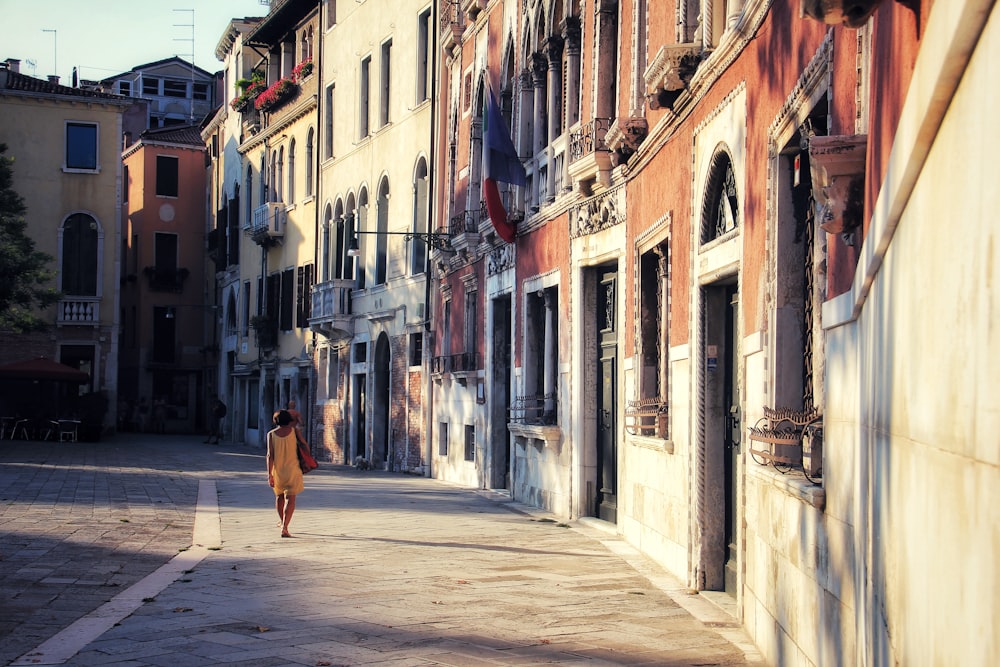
column 190, row 55
column 32, row 64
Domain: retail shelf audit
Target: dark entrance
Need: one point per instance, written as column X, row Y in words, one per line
column 380, row 405
column 721, row 437
column 500, row 387
column 731, row 441
column 359, row 420
column 607, row 425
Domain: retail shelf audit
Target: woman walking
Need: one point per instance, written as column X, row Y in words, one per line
column 283, row 472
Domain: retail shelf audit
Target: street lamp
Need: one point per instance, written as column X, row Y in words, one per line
column 434, row 240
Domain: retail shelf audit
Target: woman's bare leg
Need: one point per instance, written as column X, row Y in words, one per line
column 279, row 504
column 289, row 510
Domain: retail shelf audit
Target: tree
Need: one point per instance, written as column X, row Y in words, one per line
column 25, row 279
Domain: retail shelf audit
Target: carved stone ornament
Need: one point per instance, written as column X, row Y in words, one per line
column 837, row 165
column 851, row 13
column 596, row 214
column 625, row 134
column 670, row 70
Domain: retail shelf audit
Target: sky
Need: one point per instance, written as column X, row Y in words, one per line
column 107, row 37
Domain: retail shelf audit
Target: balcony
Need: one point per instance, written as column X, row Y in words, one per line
column 589, row 155
column 463, row 228
column 459, row 366
column 165, row 279
column 79, row 311
column 331, row 308
column 268, row 225
column 452, row 25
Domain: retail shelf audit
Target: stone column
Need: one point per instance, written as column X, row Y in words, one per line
column 554, row 48
column 539, row 69
column 525, row 133
column 571, row 35
column 550, row 353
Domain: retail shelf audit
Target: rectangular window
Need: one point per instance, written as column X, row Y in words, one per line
column 423, row 56
column 174, row 88
column 386, row 80
column 303, row 302
column 364, row 93
column 165, row 252
column 246, row 308
column 416, row 352
column 327, row 125
column 200, row 91
column 653, row 343
column 287, row 299
column 470, row 442
column 166, row 176
column 164, row 335
column 331, row 13
column 443, row 439
column 81, row 146
column 150, row 85
column 125, row 185
column 125, row 88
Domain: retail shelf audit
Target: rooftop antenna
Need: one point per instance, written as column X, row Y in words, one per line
column 190, row 55
column 55, row 49
column 32, row 64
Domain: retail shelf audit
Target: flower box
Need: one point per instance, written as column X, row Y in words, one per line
column 280, row 92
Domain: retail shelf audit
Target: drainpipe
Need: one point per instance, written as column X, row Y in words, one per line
column 318, row 63
column 433, row 29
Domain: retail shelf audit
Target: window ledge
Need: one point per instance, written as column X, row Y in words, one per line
column 651, row 442
column 548, row 436
column 77, row 170
column 792, row 483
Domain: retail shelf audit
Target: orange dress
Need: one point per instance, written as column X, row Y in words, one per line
column 285, row 464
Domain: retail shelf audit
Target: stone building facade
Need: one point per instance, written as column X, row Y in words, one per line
column 707, row 331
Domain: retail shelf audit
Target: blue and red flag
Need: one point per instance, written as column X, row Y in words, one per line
column 500, row 165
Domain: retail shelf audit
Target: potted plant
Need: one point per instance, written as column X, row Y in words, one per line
column 274, row 97
column 247, row 91
column 302, row 70
column 266, row 330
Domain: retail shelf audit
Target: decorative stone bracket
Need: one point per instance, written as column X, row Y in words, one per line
column 670, row 72
column 851, row 13
column 838, row 178
column 625, row 135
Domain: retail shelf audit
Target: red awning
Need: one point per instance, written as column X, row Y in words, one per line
column 41, row 368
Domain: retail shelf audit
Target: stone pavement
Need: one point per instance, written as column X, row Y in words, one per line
column 102, row 563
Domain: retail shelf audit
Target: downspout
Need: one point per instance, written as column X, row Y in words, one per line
column 433, row 29
column 318, row 60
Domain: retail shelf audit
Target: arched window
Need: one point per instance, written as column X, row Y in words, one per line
column 309, row 162
column 277, row 172
column 362, row 224
column 262, row 199
column 248, row 198
column 79, row 266
column 381, row 239
column 721, row 210
column 291, row 172
column 418, row 249
column 325, row 244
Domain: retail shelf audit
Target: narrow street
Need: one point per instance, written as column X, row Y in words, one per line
column 383, row 569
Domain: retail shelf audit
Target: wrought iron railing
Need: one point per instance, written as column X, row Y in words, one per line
column 532, row 409
column 589, row 138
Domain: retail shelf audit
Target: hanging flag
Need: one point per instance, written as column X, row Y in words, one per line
column 500, row 165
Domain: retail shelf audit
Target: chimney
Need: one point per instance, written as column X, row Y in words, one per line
column 14, row 65
column 54, row 79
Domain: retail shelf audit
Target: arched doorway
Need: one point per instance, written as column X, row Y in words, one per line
column 380, row 404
